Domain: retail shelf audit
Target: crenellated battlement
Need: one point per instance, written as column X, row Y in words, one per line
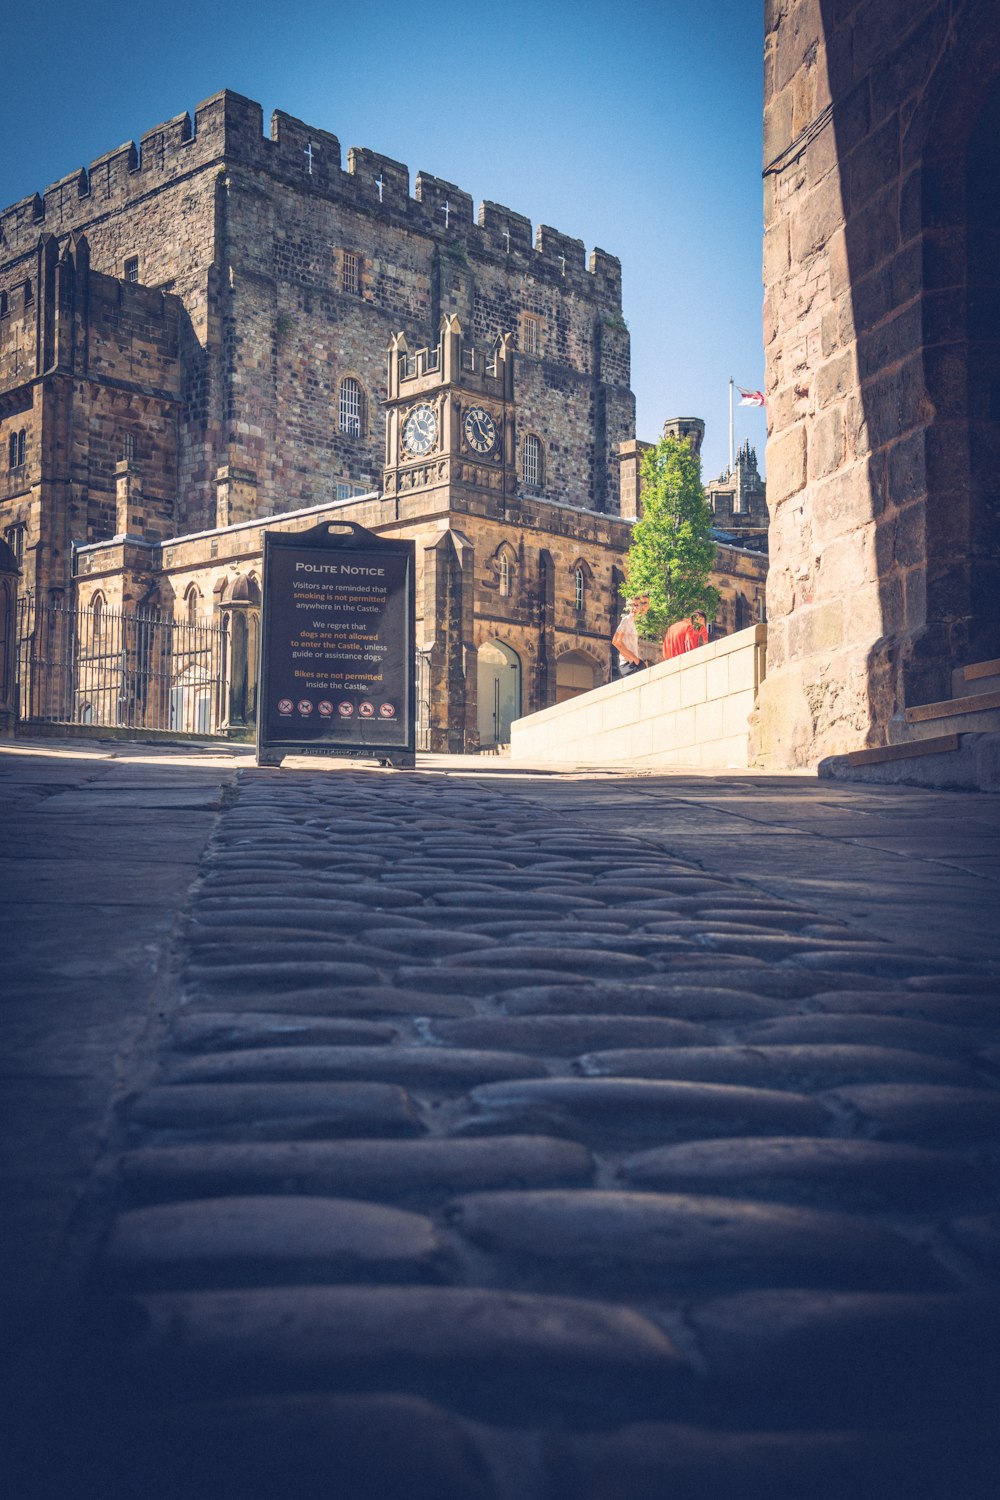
column 226, row 131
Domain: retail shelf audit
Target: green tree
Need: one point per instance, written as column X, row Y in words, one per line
column 672, row 550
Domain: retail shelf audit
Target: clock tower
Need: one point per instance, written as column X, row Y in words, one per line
column 450, row 421
column 450, row 461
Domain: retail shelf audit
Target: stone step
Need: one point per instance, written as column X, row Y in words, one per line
column 941, row 744
column 956, row 709
column 979, row 677
column 967, row 757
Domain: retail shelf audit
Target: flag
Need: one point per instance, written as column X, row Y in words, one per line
column 751, row 398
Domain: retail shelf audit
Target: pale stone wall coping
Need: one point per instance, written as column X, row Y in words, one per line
column 691, row 711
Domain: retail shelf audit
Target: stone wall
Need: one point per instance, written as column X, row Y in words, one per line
column 884, row 559
column 253, row 235
column 692, row 711
column 538, row 619
column 99, row 376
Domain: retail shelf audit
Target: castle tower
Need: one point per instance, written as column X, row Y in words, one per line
column 690, row 428
column 450, row 417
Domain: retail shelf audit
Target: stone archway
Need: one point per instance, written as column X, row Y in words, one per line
column 576, row 673
column 499, row 692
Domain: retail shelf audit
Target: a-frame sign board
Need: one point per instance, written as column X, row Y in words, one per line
column 337, row 668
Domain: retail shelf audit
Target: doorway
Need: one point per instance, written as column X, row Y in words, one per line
column 499, row 695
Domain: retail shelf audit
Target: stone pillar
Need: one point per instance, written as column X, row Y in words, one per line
column 630, row 457
column 128, row 497
column 452, row 660
column 236, row 495
column 9, row 576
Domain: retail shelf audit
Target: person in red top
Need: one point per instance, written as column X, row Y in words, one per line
column 685, row 635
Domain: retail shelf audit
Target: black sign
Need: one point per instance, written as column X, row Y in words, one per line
column 337, row 646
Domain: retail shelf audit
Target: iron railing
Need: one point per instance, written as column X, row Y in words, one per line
column 116, row 669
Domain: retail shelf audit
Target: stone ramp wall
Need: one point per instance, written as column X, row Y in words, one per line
column 691, row 711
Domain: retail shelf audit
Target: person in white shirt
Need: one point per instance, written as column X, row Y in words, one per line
column 626, row 637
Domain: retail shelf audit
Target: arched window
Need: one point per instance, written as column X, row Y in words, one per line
column 14, row 537
column 352, row 404
column 12, row 451
column 505, row 576
column 579, row 583
column 28, row 292
column 4, row 304
column 97, row 618
column 191, row 600
column 17, row 448
column 531, row 462
column 21, row 445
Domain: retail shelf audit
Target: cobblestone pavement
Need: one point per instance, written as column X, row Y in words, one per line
column 502, row 1139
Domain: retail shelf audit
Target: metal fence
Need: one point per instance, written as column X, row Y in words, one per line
column 109, row 668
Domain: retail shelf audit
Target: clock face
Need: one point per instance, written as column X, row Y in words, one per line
column 480, row 429
column 420, row 430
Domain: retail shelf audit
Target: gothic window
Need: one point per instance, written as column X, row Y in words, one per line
column 350, row 274
column 132, row 268
column 352, row 404
column 12, row 451
column 4, row 304
column 97, row 618
column 504, row 576
column 531, row 462
column 578, row 589
column 17, row 449
column 191, row 605
column 128, row 447
column 530, row 335
column 29, row 294
column 14, row 537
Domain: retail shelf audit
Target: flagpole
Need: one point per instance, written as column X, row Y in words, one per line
column 732, row 455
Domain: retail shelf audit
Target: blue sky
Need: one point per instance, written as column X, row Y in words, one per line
column 633, row 126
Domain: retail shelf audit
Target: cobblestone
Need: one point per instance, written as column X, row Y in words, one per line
column 776, row 1066
column 924, row 1112
column 649, row 1461
column 682, row 1002
column 618, row 1240
column 873, row 1031
column 488, row 1351
column 241, row 1450
column 429, row 1067
column 568, row 1036
column 643, row 1106
column 855, row 1173
column 220, row 1031
column 240, row 1241
column 854, row 1359
column 276, row 1108
column 376, row 1169
column 481, row 1136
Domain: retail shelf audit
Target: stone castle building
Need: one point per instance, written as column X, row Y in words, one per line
column 738, row 500
column 882, row 340
column 193, row 342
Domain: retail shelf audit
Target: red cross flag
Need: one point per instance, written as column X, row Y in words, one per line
column 751, row 398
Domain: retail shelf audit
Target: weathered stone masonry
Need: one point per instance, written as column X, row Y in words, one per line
column 290, row 274
column 882, row 337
